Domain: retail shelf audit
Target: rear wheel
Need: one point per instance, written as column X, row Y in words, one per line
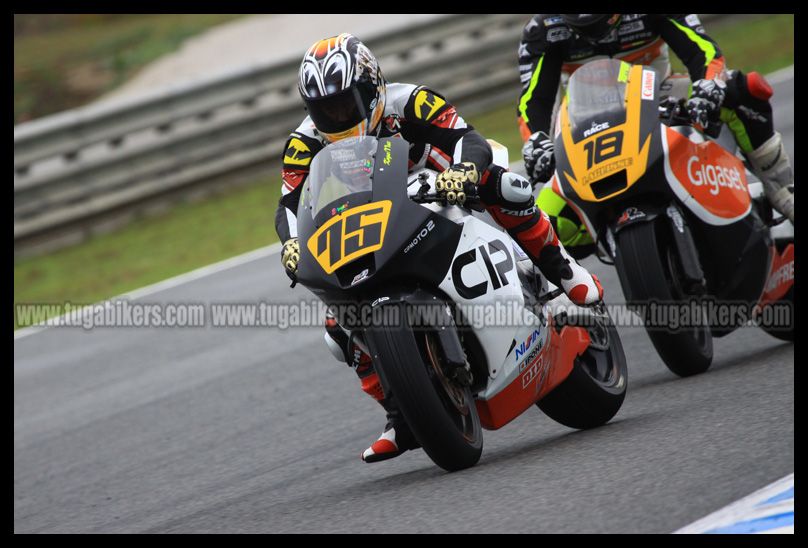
column 440, row 412
column 648, row 267
column 595, row 389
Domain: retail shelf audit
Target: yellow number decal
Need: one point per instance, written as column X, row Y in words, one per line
column 357, row 232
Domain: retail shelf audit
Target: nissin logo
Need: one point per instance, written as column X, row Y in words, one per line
column 525, row 346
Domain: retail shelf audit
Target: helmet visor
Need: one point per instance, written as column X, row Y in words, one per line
column 342, row 111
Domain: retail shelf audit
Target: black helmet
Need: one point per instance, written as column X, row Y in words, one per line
column 592, row 26
column 343, row 87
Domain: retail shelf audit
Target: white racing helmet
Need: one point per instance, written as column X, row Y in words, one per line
column 343, row 88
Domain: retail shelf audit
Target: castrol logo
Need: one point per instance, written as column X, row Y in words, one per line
column 713, row 176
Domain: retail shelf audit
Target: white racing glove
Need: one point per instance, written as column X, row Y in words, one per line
column 539, row 158
column 704, row 105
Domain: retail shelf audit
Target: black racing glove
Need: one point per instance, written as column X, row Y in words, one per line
column 704, row 105
column 457, row 182
column 290, row 256
column 539, row 158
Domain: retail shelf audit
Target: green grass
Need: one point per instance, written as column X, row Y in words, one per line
column 66, row 61
column 763, row 43
column 195, row 234
column 153, row 249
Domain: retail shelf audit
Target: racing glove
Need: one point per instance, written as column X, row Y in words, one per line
column 457, row 182
column 290, row 256
column 704, row 105
column 539, row 158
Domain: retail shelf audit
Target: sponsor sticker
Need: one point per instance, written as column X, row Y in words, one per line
column 630, row 214
column 423, row 233
column 714, row 176
column 379, row 300
column 525, row 346
column 648, row 79
column 782, row 275
column 628, row 28
column 606, row 169
column 359, row 277
column 558, row 34
column 596, row 128
column 536, row 371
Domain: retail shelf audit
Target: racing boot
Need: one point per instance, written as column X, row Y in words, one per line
column 508, row 197
column 771, row 164
column 396, row 438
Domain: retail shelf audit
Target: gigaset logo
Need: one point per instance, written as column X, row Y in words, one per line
column 715, row 176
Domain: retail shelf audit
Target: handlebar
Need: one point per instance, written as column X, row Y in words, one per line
column 471, row 202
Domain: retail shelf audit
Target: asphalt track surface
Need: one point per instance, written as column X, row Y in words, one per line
column 260, row 430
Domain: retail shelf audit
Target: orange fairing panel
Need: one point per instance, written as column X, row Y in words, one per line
column 710, row 181
column 781, row 276
column 537, row 378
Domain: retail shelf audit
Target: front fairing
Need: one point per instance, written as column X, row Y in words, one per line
column 355, row 219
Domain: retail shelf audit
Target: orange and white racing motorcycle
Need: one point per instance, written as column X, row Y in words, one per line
column 462, row 329
column 677, row 212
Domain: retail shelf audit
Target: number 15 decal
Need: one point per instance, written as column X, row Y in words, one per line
column 604, row 147
column 357, row 232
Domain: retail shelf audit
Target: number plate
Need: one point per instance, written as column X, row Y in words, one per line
column 350, row 235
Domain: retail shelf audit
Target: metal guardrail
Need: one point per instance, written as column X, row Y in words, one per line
column 75, row 171
column 80, row 171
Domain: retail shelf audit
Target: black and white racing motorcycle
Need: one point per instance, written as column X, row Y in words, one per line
column 461, row 326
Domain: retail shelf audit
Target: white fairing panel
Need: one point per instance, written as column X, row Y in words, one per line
column 485, row 285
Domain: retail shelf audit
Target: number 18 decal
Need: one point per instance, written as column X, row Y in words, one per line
column 356, row 232
column 604, row 147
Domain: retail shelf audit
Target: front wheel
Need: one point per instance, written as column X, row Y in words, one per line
column 441, row 414
column 647, row 265
column 595, row 389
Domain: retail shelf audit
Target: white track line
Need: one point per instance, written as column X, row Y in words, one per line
column 774, row 78
column 780, row 76
column 767, row 510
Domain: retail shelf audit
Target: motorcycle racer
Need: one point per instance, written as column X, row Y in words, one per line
column 555, row 45
column 346, row 96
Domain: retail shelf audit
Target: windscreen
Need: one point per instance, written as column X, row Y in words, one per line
column 597, row 95
column 340, row 169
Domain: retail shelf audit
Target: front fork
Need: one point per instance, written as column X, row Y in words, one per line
column 687, row 271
